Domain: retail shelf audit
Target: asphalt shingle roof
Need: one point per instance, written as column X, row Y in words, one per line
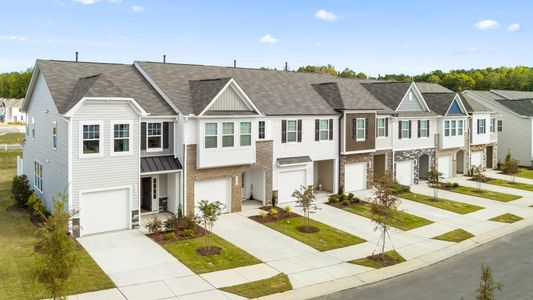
column 203, row 91
column 388, row 93
column 428, row 87
column 473, row 105
column 514, row 94
column 439, row 102
column 523, row 107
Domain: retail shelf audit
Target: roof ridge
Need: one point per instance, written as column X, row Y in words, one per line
column 83, row 62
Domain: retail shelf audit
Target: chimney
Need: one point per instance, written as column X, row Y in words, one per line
column 234, row 63
column 164, row 58
column 76, row 56
column 286, row 66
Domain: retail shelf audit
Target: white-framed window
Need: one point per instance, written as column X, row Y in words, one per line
column 500, row 125
column 453, row 127
column 120, row 137
column 292, row 130
column 424, row 128
column 154, row 136
column 33, row 128
column 210, row 135
column 261, row 130
column 446, row 128
column 323, row 130
column 228, row 134
column 460, row 127
column 492, row 125
column 481, row 126
column 381, row 127
column 360, row 134
column 154, row 188
column 54, row 134
column 38, row 176
column 91, row 139
column 405, row 130
column 246, row 134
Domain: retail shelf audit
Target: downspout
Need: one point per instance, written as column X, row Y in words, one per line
column 393, row 169
column 341, row 136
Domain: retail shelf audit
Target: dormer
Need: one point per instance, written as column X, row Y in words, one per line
column 412, row 100
column 456, row 107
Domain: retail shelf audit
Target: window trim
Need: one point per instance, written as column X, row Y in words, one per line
column 453, row 127
column 426, row 135
column 112, row 137
column 460, row 129
column 384, row 128
column 320, row 130
column 447, row 128
column 358, row 128
column 205, row 135
column 100, row 140
column 232, row 134
column 148, row 149
column 248, row 134
column 492, row 128
column 402, row 137
column 480, row 122
column 38, row 176
column 54, row 135
column 295, row 131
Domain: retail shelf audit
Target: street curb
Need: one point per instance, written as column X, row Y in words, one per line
column 420, row 262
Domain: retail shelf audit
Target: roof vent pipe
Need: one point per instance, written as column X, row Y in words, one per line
column 76, row 56
column 234, row 63
column 164, row 58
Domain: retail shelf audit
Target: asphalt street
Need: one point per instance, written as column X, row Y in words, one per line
column 510, row 257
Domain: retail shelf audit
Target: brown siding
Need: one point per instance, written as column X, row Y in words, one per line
column 370, row 142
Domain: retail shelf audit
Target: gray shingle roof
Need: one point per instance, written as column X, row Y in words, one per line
column 273, row 92
column 203, row 92
column 523, row 107
column 514, row 94
column 159, row 164
column 439, row 102
column 388, row 93
column 428, row 87
column 69, row 80
column 17, row 103
column 472, row 105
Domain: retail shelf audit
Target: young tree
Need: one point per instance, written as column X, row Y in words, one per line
column 57, row 258
column 305, row 198
column 478, row 176
column 383, row 206
column 488, row 286
column 209, row 213
column 434, row 177
column 510, row 166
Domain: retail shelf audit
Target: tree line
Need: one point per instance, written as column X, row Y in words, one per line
column 14, row 84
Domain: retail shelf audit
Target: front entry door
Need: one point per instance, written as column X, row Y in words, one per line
column 146, row 194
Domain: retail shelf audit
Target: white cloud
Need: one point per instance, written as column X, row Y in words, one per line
column 487, row 24
column 86, row 1
column 269, row 39
column 325, row 15
column 13, row 38
column 137, row 8
column 513, row 27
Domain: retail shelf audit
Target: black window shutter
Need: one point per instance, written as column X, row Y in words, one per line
column 366, row 128
column 427, row 135
column 283, row 131
column 165, row 135
column 317, row 129
column 400, row 129
column 409, row 128
column 386, row 126
column 143, row 136
column 419, row 127
column 478, row 126
column 354, row 129
column 330, row 129
column 299, row 130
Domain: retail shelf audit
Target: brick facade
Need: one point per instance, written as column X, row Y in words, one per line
column 263, row 160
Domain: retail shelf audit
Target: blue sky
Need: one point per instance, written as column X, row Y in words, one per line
column 375, row 37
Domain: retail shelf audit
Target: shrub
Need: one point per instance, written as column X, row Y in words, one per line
column 333, row 198
column 341, row 190
column 343, row 198
column 36, row 206
column 346, row 202
column 288, row 210
column 455, row 184
column 180, row 214
column 154, row 225
column 400, row 188
column 273, row 213
column 274, row 199
column 171, row 224
column 189, row 222
column 20, row 190
column 169, row 235
column 262, row 215
column 188, row 232
column 351, row 197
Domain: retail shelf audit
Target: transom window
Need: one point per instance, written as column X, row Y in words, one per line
column 121, row 137
column 210, row 135
column 324, row 130
column 246, row 133
column 54, row 134
column 381, row 125
column 360, row 134
column 292, row 131
column 154, row 136
column 404, row 133
column 261, row 129
column 38, row 176
column 227, row 135
column 424, row 128
column 91, row 139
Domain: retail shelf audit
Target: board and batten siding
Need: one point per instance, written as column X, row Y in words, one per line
column 229, row 101
column 410, row 105
column 54, row 161
column 106, row 171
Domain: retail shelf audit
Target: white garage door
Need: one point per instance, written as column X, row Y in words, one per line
column 104, row 211
column 355, row 177
column 213, row 190
column 288, row 182
column 445, row 166
column 404, row 172
column 477, row 158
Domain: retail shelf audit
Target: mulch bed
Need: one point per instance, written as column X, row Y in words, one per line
column 206, row 251
column 159, row 237
column 37, row 220
column 341, row 205
column 282, row 215
column 384, row 260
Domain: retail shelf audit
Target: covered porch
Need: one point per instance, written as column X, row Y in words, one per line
column 160, row 185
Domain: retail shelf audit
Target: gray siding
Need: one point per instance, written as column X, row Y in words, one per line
column 105, row 172
column 229, row 101
column 410, row 105
column 54, row 161
column 180, row 138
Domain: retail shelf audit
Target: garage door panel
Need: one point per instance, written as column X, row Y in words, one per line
column 213, row 190
column 104, row 211
column 445, row 166
column 404, row 172
column 288, row 182
column 355, row 176
column 477, row 158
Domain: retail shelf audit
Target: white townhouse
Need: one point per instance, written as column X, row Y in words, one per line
column 11, row 111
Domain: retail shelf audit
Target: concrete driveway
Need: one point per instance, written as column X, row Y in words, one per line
column 129, row 257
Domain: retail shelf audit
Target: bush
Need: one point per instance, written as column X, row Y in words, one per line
column 351, row 197
column 154, row 225
column 333, row 199
column 274, row 199
column 273, row 213
column 171, row 224
column 455, row 184
column 37, row 207
column 288, row 210
column 20, row 190
column 189, row 222
column 169, row 235
column 343, row 198
column 262, row 215
column 346, row 202
column 400, row 188
column 188, row 232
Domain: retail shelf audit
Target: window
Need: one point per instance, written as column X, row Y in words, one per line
column 261, row 129
column 38, row 176
column 292, row 131
column 446, row 128
column 246, row 133
column 154, row 187
column 33, row 128
column 54, row 135
column 210, row 135
column 360, row 129
column 481, row 126
column 460, row 127
column 324, row 130
column 382, row 129
column 492, row 125
column 121, row 137
column 227, row 134
column 154, row 136
column 500, row 125
column 454, row 127
column 424, row 128
column 91, row 139
column 405, row 132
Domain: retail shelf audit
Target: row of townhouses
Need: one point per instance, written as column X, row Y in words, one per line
column 125, row 141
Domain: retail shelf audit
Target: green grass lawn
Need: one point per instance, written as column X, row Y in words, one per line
column 455, row 236
column 327, row 238
column 231, row 256
column 277, row 284
column 366, row 262
column 465, row 190
column 12, row 138
column 17, row 240
column 453, row 206
column 524, row 173
column 8, row 159
column 402, row 220
column 513, row 185
column 506, row 218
